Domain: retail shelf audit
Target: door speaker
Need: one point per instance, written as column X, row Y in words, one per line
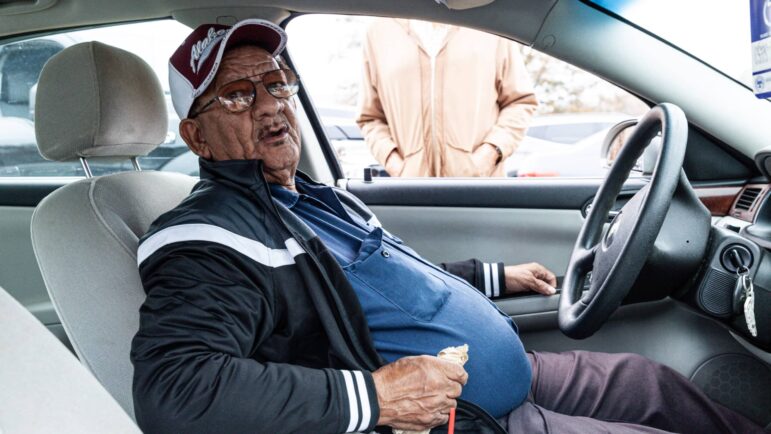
column 739, row 382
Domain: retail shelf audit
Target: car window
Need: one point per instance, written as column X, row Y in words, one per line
column 423, row 95
column 20, row 65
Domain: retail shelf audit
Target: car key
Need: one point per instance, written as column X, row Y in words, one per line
column 744, row 284
column 740, row 293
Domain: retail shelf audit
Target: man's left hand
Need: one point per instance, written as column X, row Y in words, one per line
column 529, row 277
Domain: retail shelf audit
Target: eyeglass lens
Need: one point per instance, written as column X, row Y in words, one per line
column 240, row 95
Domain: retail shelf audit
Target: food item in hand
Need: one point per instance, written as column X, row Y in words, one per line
column 457, row 355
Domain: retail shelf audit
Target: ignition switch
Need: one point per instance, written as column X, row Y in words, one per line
column 736, row 256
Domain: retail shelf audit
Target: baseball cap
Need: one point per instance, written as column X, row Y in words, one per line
column 194, row 64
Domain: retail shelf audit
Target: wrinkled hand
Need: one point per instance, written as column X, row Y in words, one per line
column 394, row 163
column 529, row 277
column 484, row 158
column 417, row 393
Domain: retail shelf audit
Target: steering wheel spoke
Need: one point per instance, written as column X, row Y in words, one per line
column 583, row 258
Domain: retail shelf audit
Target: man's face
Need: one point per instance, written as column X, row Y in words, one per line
column 267, row 131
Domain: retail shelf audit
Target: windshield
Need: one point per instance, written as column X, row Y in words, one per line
column 715, row 31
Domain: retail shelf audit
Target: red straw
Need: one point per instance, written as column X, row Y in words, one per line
column 451, row 423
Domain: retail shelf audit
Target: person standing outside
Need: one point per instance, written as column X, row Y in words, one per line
column 441, row 100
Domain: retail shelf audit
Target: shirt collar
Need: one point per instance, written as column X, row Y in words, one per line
column 286, row 196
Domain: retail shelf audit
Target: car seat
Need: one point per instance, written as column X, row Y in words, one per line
column 97, row 101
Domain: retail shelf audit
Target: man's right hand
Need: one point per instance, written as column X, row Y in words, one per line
column 417, row 393
column 394, row 163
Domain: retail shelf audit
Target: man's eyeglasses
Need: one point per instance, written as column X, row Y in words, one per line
column 239, row 95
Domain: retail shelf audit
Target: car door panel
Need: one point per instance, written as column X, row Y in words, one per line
column 510, row 235
column 19, row 273
column 28, row 192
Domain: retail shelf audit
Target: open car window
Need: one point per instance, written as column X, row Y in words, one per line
column 20, row 65
column 563, row 138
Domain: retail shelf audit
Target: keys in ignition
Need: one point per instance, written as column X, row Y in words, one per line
column 744, row 284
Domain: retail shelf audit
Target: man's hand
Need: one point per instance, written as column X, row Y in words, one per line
column 485, row 159
column 529, row 277
column 417, row 393
column 394, row 163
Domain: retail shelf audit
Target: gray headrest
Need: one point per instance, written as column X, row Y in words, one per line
column 94, row 100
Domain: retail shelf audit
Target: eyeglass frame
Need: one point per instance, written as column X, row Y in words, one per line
column 254, row 90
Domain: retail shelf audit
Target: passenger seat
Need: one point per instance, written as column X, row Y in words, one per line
column 43, row 388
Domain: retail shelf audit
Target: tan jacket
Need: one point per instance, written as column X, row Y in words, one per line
column 477, row 91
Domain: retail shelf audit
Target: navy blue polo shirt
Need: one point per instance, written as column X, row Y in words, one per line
column 413, row 307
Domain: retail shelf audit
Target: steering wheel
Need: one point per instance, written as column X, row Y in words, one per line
column 615, row 260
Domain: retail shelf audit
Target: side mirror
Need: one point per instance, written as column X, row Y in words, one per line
column 616, row 139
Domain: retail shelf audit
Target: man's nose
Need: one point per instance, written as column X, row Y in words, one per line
column 265, row 104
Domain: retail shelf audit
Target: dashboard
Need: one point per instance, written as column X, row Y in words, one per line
column 740, row 237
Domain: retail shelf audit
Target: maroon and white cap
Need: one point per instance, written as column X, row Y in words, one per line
column 195, row 63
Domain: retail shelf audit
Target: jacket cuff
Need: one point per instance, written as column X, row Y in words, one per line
column 502, row 139
column 383, row 148
column 494, row 279
column 360, row 408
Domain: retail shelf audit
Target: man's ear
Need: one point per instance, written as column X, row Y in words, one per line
column 191, row 133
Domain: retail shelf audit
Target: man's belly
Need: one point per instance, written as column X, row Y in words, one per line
column 424, row 314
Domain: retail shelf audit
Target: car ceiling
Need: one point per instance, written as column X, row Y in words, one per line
column 566, row 29
column 526, row 16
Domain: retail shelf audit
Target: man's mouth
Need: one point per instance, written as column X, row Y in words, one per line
column 275, row 134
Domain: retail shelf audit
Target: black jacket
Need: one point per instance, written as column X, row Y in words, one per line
column 250, row 324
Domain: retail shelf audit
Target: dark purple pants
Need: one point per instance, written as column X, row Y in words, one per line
column 585, row 392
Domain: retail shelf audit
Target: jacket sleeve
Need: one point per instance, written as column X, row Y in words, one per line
column 372, row 118
column 516, row 99
column 487, row 277
column 205, row 316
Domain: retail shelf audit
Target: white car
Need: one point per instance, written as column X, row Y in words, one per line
column 565, row 137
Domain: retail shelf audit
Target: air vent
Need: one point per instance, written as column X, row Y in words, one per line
column 748, row 198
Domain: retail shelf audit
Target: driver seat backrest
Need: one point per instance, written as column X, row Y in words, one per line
column 85, row 234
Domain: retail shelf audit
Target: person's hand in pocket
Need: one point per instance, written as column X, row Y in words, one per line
column 394, row 163
column 485, row 159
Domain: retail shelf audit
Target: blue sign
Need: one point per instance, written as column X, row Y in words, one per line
column 760, row 26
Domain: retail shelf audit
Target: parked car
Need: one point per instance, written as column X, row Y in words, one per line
column 563, row 145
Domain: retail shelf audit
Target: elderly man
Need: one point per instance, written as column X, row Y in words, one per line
column 277, row 304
